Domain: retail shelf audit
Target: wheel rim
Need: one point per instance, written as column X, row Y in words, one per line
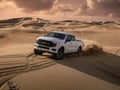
column 59, row 54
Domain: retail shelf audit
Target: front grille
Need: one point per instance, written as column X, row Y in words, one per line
column 44, row 43
column 43, row 47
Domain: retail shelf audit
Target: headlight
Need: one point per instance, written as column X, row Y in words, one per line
column 54, row 44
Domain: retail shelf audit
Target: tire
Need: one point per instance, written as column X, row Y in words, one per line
column 79, row 50
column 59, row 55
column 38, row 52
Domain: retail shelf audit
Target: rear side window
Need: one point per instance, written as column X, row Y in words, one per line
column 71, row 37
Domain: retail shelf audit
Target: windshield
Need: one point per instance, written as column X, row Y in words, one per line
column 56, row 35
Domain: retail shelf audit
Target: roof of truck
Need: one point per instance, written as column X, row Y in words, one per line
column 61, row 32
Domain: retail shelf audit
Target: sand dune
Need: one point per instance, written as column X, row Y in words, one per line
column 97, row 68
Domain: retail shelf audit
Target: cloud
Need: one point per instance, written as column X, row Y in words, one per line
column 34, row 5
column 74, row 3
column 60, row 9
column 101, row 8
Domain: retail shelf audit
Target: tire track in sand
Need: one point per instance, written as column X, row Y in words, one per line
column 25, row 63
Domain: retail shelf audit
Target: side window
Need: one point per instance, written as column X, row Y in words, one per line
column 73, row 38
column 68, row 37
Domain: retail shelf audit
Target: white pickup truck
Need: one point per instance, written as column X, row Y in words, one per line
column 58, row 43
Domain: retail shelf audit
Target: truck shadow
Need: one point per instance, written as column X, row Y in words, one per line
column 104, row 66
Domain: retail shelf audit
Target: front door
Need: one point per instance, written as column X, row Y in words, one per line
column 68, row 45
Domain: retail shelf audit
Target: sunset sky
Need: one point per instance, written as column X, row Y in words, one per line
column 85, row 10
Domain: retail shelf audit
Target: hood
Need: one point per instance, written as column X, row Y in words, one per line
column 54, row 40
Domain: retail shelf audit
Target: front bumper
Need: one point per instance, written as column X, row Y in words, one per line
column 46, row 48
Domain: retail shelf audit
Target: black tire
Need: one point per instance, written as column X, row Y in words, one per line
column 38, row 52
column 59, row 55
column 79, row 50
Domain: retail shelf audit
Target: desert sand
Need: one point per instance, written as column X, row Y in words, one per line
column 20, row 68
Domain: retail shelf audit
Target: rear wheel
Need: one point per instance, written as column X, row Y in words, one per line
column 38, row 52
column 59, row 55
column 79, row 50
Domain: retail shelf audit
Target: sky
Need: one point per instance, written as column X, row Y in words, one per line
column 84, row 10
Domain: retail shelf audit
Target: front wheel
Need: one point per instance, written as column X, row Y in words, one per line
column 59, row 55
column 38, row 52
